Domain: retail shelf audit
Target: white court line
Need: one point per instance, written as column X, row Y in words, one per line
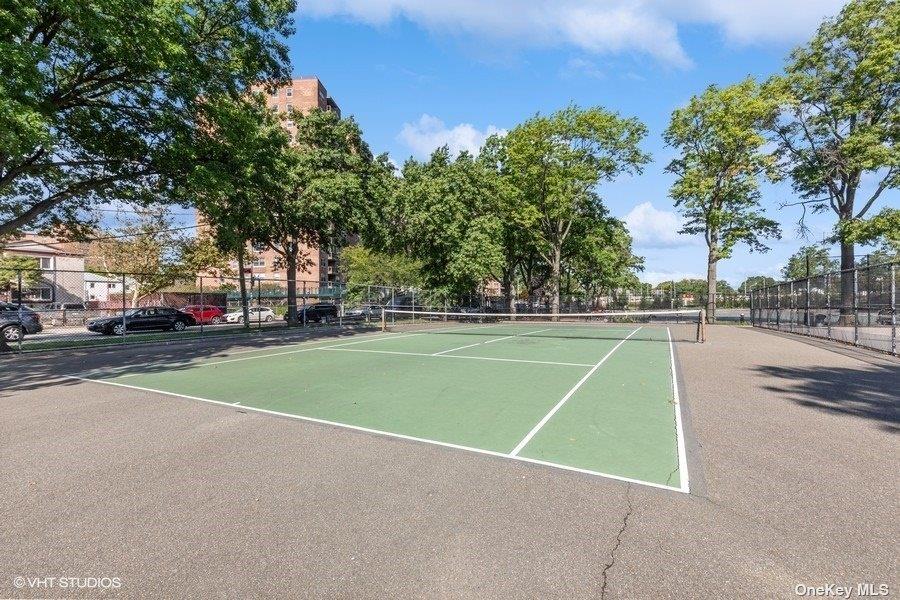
column 373, row 339
column 389, row 336
column 518, row 335
column 460, row 348
column 385, row 434
column 514, row 360
column 500, row 339
column 565, row 398
column 679, row 427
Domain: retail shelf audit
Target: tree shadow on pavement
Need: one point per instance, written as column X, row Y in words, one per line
column 872, row 392
column 24, row 372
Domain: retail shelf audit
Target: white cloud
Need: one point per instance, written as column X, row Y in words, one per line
column 654, row 228
column 580, row 67
column 430, row 133
column 599, row 26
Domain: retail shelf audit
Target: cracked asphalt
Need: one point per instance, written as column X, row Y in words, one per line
column 793, row 453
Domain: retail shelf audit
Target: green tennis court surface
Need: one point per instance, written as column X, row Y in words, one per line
column 598, row 398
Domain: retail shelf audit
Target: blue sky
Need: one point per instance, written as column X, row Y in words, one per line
column 417, row 74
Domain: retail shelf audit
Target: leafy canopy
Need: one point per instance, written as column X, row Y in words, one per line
column 838, row 117
column 816, row 256
column 93, row 94
column 721, row 160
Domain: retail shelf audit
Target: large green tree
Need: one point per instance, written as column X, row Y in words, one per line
column 556, row 163
column 445, row 214
column 92, row 94
column 808, row 261
column 839, row 118
column 722, row 157
column 234, row 162
column 882, row 229
column 333, row 181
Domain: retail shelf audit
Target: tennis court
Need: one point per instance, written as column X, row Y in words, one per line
column 589, row 394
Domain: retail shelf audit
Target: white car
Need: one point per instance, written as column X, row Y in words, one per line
column 257, row 314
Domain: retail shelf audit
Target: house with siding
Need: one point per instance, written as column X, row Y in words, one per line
column 60, row 267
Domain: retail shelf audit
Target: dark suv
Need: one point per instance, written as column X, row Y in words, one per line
column 316, row 313
column 16, row 321
column 143, row 319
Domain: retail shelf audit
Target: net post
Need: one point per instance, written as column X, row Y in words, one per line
column 701, row 326
column 383, row 319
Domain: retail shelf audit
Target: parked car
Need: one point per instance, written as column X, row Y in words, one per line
column 366, row 311
column 257, row 314
column 316, row 313
column 16, row 321
column 206, row 314
column 884, row 316
column 143, row 319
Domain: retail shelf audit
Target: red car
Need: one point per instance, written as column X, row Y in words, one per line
column 212, row 315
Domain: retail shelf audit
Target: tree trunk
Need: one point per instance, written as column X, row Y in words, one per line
column 291, row 262
column 509, row 292
column 711, row 285
column 848, row 263
column 242, row 281
column 553, row 288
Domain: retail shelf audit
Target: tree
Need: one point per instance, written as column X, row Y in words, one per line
column 808, row 261
column 556, row 162
column 151, row 252
column 332, row 181
column 883, row 229
column 722, row 158
column 756, row 281
column 601, row 257
column 445, row 215
column 364, row 266
column 838, row 118
column 234, row 163
column 13, row 267
column 94, row 93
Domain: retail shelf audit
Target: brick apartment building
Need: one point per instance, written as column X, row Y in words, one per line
column 300, row 95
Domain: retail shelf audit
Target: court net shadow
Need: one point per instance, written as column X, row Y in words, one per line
column 871, row 393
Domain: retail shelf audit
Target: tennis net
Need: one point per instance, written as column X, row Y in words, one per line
column 660, row 325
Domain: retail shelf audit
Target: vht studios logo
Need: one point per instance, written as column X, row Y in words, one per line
column 833, row 590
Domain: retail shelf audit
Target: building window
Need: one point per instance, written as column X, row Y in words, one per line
column 91, row 285
column 274, row 93
column 259, row 262
column 46, row 262
column 289, row 92
column 41, row 294
column 290, row 108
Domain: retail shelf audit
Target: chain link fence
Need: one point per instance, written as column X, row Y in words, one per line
column 857, row 306
column 43, row 309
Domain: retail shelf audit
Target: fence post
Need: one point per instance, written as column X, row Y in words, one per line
column 808, row 331
column 778, row 306
column 124, row 325
column 304, row 304
column 791, row 314
column 855, row 306
column 894, row 309
column 258, row 303
column 828, row 305
column 202, row 305
column 21, row 325
column 752, row 320
column 414, row 305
